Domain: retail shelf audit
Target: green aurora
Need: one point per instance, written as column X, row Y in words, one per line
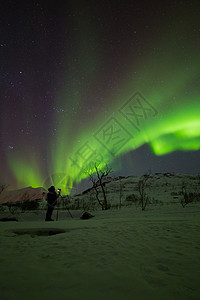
column 157, row 102
column 176, row 129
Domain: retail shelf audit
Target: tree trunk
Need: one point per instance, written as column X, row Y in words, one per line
column 97, row 196
column 104, row 196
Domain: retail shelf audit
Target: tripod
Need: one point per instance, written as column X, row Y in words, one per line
column 58, row 203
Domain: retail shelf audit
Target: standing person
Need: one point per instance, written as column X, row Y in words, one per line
column 51, row 200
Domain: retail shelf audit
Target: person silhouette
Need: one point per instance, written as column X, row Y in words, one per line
column 51, row 202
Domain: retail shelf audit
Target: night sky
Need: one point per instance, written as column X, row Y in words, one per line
column 107, row 82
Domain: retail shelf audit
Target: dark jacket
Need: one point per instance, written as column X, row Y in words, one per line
column 52, row 198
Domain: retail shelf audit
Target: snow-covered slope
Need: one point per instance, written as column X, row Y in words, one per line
column 160, row 188
column 25, row 194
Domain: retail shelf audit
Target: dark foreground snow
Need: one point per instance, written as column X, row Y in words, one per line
column 119, row 254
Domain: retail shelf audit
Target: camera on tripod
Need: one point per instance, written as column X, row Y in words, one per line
column 61, row 200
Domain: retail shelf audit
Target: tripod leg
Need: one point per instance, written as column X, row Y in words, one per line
column 57, row 211
column 69, row 213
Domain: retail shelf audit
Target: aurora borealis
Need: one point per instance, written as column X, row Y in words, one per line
column 94, row 82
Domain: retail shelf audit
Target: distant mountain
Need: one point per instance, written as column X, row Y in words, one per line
column 25, row 194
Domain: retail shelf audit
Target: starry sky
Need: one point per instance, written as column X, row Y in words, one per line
column 108, row 82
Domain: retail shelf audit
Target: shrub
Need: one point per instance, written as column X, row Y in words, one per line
column 132, row 198
column 29, row 205
column 188, row 197
column 23, row 206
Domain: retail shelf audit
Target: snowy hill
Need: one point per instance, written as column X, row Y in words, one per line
column 160, row 188
column 25, row 194
column 120, row 191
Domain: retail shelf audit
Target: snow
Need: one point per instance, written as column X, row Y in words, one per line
column 160, row 188
column 20, row 195
column 118, row 254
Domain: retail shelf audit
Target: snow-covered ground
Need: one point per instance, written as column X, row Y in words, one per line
column 118, row 254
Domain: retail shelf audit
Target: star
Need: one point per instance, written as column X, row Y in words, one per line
column 10, row 147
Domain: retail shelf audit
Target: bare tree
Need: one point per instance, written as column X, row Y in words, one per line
column 143, row 197
column 97, row 180
column 3, row 187
column 120, row 193
column 198, row 178
column 188, row 197
column 95, row 185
